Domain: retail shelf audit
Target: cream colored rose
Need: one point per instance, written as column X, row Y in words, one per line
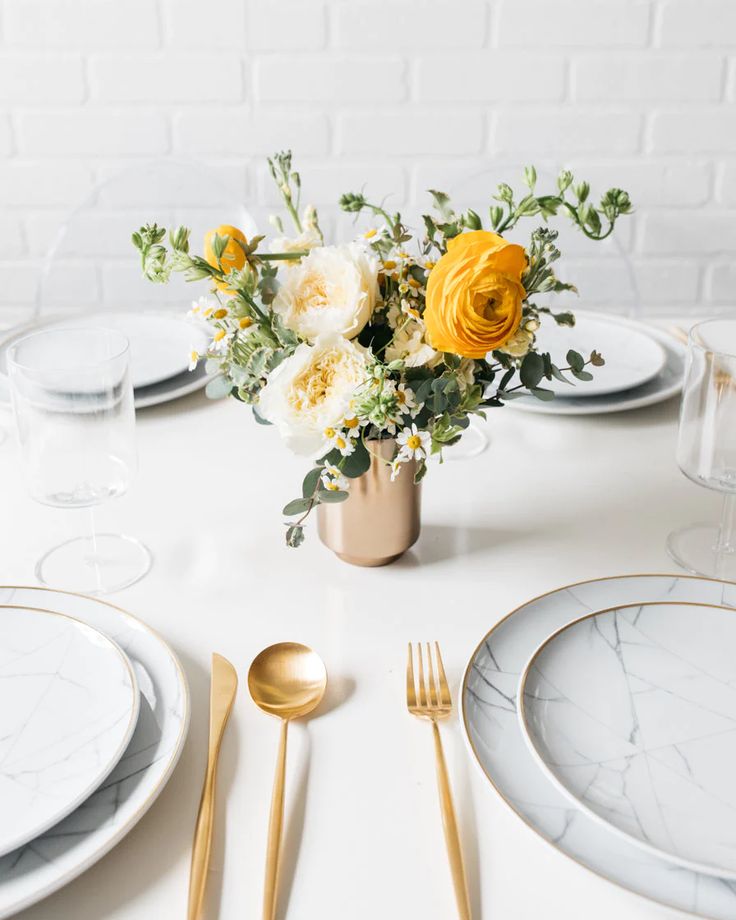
column 311, row 390
column 333, row 289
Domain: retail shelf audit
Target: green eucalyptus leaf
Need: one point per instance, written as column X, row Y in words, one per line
column 532, row 369
column 330, row 498
column 310, row 482
column 575, row 360
column 544, row 395
column 297, row 506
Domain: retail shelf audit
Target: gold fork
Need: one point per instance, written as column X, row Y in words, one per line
column 431, row 700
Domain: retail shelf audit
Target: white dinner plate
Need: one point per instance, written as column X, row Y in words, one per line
column 32, row 872
column 159, row 342
column 632, row 355
column 632, row 711
column 665, row 385
column 153, row 383
column 68, row 707
column 489, row 701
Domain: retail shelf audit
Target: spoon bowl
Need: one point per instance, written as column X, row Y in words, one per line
column 287, row 680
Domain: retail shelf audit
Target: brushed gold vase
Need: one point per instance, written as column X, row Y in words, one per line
column 381, row 519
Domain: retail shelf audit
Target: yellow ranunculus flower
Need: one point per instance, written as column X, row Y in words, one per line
column 474, row 294
column 233, row 257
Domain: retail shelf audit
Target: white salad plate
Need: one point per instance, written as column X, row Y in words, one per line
column 665, row 385
column 68, row 708
column 489, row 703
column 160, row 344
column 49, row 862
column 632, row 712
column 632, row 356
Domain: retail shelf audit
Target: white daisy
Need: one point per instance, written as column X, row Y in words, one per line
column 193, row 359
column 333, row 480
column 406, row 400
column 396, row 466
column 414, row 444
column 337, row 438
column 203, row 308
column 220, row 342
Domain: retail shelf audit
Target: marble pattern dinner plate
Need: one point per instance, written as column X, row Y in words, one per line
column 33, row 871
column 489, row 704
column 68, row 708
column 632, row 712
column 632, row 355
column 665, row 385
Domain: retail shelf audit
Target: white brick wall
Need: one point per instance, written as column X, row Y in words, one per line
column 398, row 95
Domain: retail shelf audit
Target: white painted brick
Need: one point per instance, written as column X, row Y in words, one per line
column 6, row 136
column 572, row 23
column 731, row 81
column 687, row 232
column 89, row 233
column 329, row 79
column 649, row 183
column 12, row 238
column 72, row 283
column 672, row 281
column 720, row 282
column 692, row 23
column 236, row 132
column 171, row 183
column 566, row 133
column 91, row 131
column 600, row 282
column 123, row 286
column 490, row 76
column 645, row 77
column 411, row 133
column 726, row 184
column 44, row 185
column 295, row 26
column 46, row 78
column 204, row 26
column 170, row 77
column 17, row 284
column 694, row 131
column 83, row 24
column 323, row 185
column 409, row 24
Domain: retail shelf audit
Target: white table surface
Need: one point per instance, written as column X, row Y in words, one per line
column 553, row 501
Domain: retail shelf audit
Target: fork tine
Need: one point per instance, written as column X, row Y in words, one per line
column 411, row 691
column 422, row 685
column 434, row 697
column 445, row 697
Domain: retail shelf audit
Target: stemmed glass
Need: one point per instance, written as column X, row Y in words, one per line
column 706, row 448
column 73, row 401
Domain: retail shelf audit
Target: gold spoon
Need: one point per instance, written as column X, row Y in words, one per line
column 288, row 681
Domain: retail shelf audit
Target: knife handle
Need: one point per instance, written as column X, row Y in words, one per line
column 202, row 845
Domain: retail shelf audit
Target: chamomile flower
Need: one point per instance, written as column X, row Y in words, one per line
column 337, row 438
column 406, row 400
column 193, row 359
column 371, row 235
column 245, row 322
column 220, row 341
column 202, row 308
column 333, row 480
column 414, row 444
column 352, row 426
column 408, row 309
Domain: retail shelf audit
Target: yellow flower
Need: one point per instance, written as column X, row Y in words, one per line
column 475, row 294
column 221, row 313
column 233, row 256
column 245, row 322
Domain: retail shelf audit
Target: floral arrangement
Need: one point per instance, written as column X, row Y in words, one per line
column 393, row 335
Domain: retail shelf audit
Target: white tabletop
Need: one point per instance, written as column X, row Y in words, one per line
column 552, row 501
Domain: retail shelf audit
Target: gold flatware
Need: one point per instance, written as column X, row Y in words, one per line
column 431, row 700
column 223, row 685
column 288, row 681
column 680, row 334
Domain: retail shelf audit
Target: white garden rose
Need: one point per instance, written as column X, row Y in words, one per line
column 310, row 391
column 333, row 289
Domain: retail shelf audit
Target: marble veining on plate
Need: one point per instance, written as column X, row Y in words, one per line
column 491, row 720
column 50, row 861
column 633, row 712
column 68, row 706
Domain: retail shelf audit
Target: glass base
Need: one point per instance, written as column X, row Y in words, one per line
column 694, row 548
column 100, row 564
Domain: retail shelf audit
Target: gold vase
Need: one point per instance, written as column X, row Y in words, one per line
column 381, row 519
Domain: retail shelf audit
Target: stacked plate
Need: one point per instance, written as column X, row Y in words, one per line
column 643, row 366
column 604, row 713
column 160, row 344
column 94, row 710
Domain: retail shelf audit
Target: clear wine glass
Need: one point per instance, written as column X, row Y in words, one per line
column 73, row 402
column 706, row 448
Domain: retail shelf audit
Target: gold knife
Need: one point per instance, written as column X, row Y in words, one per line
column 223, row 685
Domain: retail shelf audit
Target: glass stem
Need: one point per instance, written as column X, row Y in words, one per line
column 725, row 545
